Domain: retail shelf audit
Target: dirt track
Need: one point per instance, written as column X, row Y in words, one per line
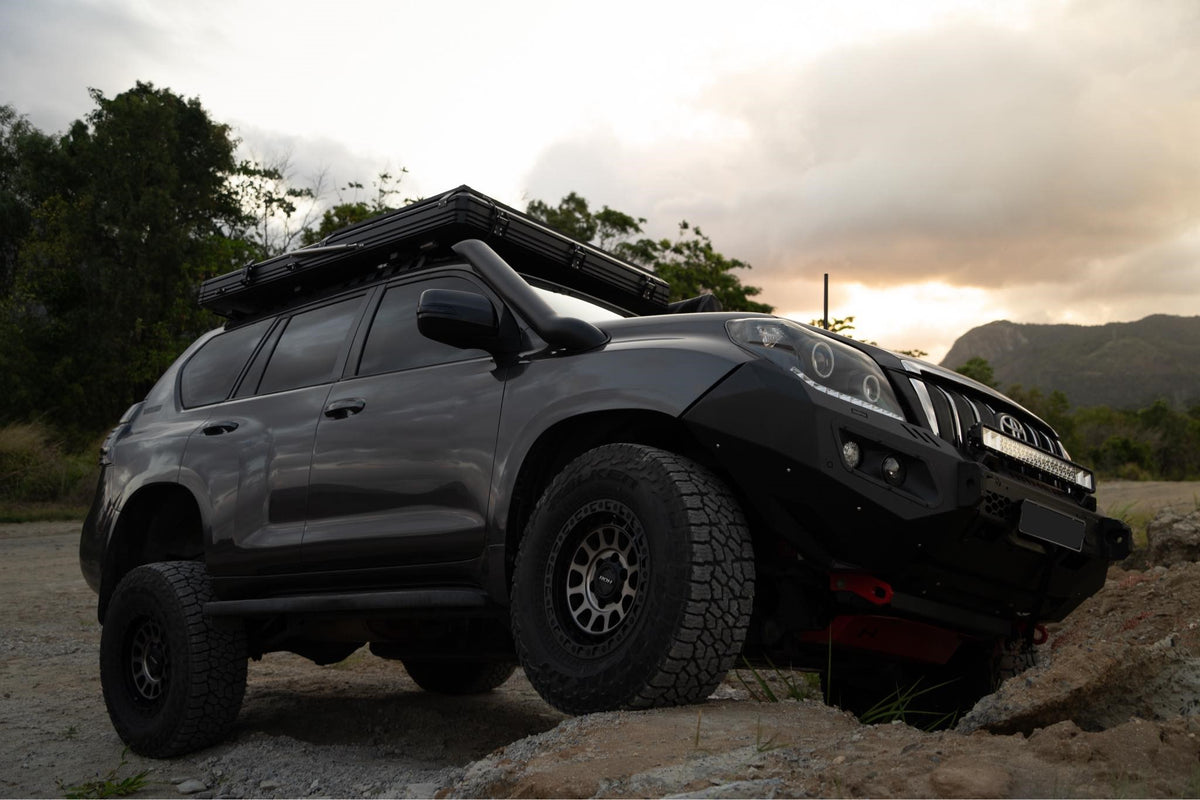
column 362, row 728
column 1147, row 496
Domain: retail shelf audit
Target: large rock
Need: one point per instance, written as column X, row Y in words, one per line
column 1173, row 537
column 1096, row 686
column 1130, row 652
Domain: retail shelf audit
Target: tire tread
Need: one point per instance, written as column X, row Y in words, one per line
column 214, row 680
column 714, row 602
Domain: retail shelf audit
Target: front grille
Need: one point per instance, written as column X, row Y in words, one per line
column 954, row 412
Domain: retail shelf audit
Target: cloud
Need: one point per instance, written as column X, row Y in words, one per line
column 980, row 156
column 52, row 51
column 308, row 160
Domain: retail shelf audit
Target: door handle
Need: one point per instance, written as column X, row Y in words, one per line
column 217, row 428
column 348, row 407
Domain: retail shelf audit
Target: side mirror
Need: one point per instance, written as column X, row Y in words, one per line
column 459, row 319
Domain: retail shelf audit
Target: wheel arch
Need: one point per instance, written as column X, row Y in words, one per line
column 159, row 522
column 563, row 442
column 634, row 585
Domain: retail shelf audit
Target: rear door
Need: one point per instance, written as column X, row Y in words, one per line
column 252, row 454
column 402, row 461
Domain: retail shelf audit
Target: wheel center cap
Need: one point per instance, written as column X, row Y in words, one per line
column 607, row 583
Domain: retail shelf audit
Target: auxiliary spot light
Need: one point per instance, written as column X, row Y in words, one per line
column 851, row 454
column 893, row 470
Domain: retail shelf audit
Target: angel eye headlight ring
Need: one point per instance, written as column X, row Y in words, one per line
column 822, row 360
column 871, row 389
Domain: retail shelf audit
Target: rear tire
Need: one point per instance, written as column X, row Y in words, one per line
column 634, row 584
column 459, row 677
column 173, row 681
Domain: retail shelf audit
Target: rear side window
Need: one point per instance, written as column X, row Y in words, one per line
column 209, row 375
column 308, row 350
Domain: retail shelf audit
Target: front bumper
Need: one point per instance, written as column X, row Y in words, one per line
column 963, row 541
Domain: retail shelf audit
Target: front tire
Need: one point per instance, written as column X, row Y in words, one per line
column 634, row 584
column 173, row 681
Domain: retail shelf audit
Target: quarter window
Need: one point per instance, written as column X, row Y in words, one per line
column 209, row 375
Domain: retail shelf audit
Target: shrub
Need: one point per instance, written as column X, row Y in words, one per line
column 33, row 468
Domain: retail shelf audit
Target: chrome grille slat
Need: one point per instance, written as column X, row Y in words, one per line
column 959, row 434
column 926, row 404
column 974, row 409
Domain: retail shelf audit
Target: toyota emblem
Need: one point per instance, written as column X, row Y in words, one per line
column 1011, row 426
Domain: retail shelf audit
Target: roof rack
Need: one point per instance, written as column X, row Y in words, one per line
column 428, row 228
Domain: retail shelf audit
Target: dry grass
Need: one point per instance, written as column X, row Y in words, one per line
column 37, row 479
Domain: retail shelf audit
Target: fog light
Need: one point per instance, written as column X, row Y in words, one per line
column 851, row 454
column 893, row 470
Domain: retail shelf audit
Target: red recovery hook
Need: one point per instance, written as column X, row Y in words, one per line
column 867, row 587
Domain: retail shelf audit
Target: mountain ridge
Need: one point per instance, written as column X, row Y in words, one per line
column 1118, row 364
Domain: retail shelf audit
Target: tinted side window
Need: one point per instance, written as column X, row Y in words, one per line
column 209, row 375
column 308, row 349
column 394, row 343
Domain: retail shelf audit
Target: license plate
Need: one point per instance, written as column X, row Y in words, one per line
column 1051, row 526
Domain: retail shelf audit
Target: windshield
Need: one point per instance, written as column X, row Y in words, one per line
column 567, row 306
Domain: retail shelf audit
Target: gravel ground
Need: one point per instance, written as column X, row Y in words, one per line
column 358, row 728
column 361, row 728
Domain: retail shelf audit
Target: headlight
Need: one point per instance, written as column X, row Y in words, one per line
column 823, row 363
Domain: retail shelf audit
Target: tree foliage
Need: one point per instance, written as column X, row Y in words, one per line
column 30, row 164
column 278, row 213
column 354, row 210
column 102, row 296
column 607, row 228
column 978, row 369
column 842, row 327
column 689, row 262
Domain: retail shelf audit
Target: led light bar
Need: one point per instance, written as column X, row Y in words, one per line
column 997, row 442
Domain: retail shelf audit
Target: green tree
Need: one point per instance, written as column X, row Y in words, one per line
column 278, row 213
column 693, row 267
column 978, row 369
column 689, row 263
column 354, row 210
column 30, row 164
column 1174, row 440
column 607, row 228
column 103, row 296
column 842, row 327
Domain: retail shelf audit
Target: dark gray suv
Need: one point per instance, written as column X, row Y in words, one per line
column 469, row 442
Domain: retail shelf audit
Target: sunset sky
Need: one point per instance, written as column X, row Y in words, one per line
column 947, row 163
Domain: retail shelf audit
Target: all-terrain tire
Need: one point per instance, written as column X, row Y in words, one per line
column 173, row 680
column 634, row 582
column 459, row 677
